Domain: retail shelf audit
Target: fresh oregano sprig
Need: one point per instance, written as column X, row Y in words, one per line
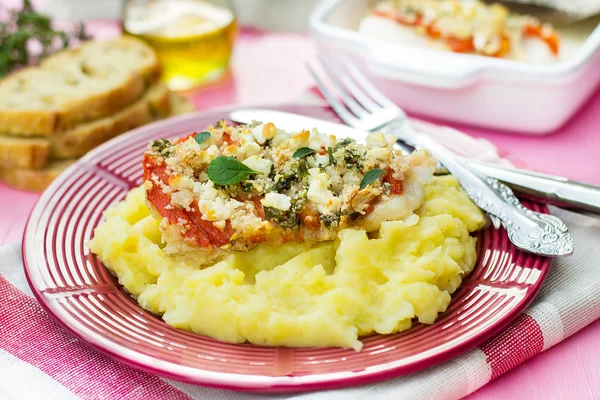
column 25, row 29
column 370, row 177
column 303, row 152
column 202, row 137
column 225, row 171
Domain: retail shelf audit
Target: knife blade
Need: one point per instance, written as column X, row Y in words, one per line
column 553, row 189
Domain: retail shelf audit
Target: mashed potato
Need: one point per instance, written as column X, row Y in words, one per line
column 328, row 294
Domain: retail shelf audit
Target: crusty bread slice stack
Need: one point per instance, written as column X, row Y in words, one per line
column 83, row 138
column 35, row 152
column 33, row 179
column 38, row 179
column 75, row 86
column 23, row 152
column 128, row 53
column 74, row 101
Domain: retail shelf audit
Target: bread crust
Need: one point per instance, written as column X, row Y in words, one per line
column 33, row 179
column 23, row 152
column 35, row 153
column 80, row 140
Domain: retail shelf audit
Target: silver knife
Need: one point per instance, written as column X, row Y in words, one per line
column 554, row 189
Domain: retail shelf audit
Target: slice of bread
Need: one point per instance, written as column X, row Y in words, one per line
column 41, row 102
column 76, row 142
column 76, row 86
column 128, row 52
column 23, row 152
column 33, row 179
column 34, row 153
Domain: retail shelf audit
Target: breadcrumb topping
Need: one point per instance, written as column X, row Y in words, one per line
column 288, row 195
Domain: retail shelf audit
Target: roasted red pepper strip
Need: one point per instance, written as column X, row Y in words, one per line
column 460, row 45
column 550, row 37
column 183, row 139
column 466, row 45
column 201, row 232
column 260, row 210
column 310, row 218
column 397, row 187
column 215, row 235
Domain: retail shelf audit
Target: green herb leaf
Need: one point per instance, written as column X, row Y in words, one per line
column 370, row 177
column 162, row 147
column 332, row 160
column 202, row 137
column 24, row 29
column 228, row 171
column 303, row 152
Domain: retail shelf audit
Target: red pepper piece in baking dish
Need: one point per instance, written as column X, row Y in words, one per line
column 548, row 35
column 199, row 231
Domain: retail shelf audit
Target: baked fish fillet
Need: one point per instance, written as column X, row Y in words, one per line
column 229, row 188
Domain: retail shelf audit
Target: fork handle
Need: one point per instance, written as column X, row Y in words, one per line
column 531, row 231
column 555, row 189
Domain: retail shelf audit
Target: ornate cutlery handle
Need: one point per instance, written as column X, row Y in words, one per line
column 555, row 189
column 531, row 231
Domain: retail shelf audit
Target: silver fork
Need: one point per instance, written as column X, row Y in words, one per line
column 364, row 107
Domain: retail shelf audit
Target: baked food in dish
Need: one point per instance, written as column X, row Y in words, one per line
column 229, row 188
column 471, row 27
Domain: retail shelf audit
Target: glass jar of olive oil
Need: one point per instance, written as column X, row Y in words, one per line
column 193, row 38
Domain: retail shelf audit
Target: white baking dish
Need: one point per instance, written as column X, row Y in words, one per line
column 490, row 92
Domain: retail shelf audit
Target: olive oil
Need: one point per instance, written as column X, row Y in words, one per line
column 193, row 39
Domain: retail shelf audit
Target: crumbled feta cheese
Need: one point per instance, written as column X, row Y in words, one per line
column 193, row 145
column 181, row 183
column 248, row 149
column 318, row 191
column 317, row 160
column 206, row 191
column 278, row 201
column 257, row 132
column 480, row 39
column 376, row 139
column 246, row 137
column 333, row 205
column 258, row 164
column 316, row 141
column 209, row 154
column 218, row 209
column 182, row 198
column 269, row 130
column 299, row 139
column 378, row 153
column 220, row 225
column 390, row 140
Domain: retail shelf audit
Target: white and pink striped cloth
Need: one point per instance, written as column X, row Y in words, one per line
column 40, row 360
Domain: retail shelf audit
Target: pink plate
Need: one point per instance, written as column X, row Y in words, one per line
column 85, row 298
